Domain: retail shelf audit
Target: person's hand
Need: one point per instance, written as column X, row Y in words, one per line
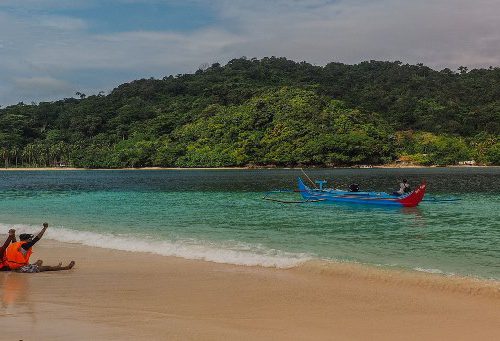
column 45, row 225
column 12, row 232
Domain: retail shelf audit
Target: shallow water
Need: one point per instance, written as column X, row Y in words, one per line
column 218, row 215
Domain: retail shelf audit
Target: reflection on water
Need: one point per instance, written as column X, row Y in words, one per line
column 417, row 214
column 15, row 288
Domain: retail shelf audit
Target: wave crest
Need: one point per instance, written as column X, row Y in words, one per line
column 230, row 252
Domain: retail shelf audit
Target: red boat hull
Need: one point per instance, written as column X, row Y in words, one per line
column 415, row 197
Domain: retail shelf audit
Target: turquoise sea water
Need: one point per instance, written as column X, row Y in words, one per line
column 218, row 215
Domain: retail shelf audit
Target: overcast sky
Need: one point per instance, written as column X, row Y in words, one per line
column 50, row 49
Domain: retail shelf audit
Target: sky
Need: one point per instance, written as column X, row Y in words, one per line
column 50, row 49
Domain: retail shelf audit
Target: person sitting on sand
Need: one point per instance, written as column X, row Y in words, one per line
column 16, row 255
column 404, row 187
column 10, row 238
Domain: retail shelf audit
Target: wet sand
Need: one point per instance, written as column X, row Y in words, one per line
column 116, row 295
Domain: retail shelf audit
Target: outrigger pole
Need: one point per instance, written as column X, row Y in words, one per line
column 308, row 178
column 293, row 201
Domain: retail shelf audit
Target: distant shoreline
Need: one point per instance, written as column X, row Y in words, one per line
column 233, row 168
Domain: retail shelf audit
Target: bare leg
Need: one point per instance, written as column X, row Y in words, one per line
column 59, row 267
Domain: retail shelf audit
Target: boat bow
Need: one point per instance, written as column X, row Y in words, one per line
column 415, row 197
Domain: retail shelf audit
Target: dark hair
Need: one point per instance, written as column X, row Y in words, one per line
column 404, row 180
column 25, row 236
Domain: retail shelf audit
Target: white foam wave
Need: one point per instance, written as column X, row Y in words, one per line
column 230, row 252
column 431, row 271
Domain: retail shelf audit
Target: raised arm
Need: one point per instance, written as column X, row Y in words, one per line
column 32, row 242
column 12, row 234
column 10, row 238
column 40, row 234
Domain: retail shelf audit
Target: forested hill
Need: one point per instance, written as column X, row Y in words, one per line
column 271, row 111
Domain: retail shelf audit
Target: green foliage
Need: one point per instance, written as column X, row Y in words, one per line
column 427, row 148
column 493, row 154
column 267, row 111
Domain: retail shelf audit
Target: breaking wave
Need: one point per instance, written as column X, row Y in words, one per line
column 230, row 252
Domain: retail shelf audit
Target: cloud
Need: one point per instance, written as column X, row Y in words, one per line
column 444, row 33
column 61, row 23
column 45, row 45
column 49, row 84
column 41, row 87
column 34, row 5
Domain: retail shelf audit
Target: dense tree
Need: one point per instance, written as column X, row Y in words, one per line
column 268, row 111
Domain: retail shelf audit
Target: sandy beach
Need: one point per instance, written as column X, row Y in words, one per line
column 115, row 295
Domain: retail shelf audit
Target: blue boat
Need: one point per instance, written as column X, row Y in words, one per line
column 411, row 199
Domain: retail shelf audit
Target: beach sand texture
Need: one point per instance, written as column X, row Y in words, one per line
column 115, row 295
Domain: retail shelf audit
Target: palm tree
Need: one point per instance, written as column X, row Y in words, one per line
column 28, row 152
column 53, row 154
column 15, row 153
column 41, row 156
column 5, row 155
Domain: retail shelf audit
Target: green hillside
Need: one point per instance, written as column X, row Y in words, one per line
column 271, row 111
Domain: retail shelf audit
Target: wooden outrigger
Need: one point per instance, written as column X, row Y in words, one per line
column 411, row 199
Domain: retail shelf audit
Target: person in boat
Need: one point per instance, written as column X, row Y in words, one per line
column 16, row 255
column 404, row 187
column 353, row 188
